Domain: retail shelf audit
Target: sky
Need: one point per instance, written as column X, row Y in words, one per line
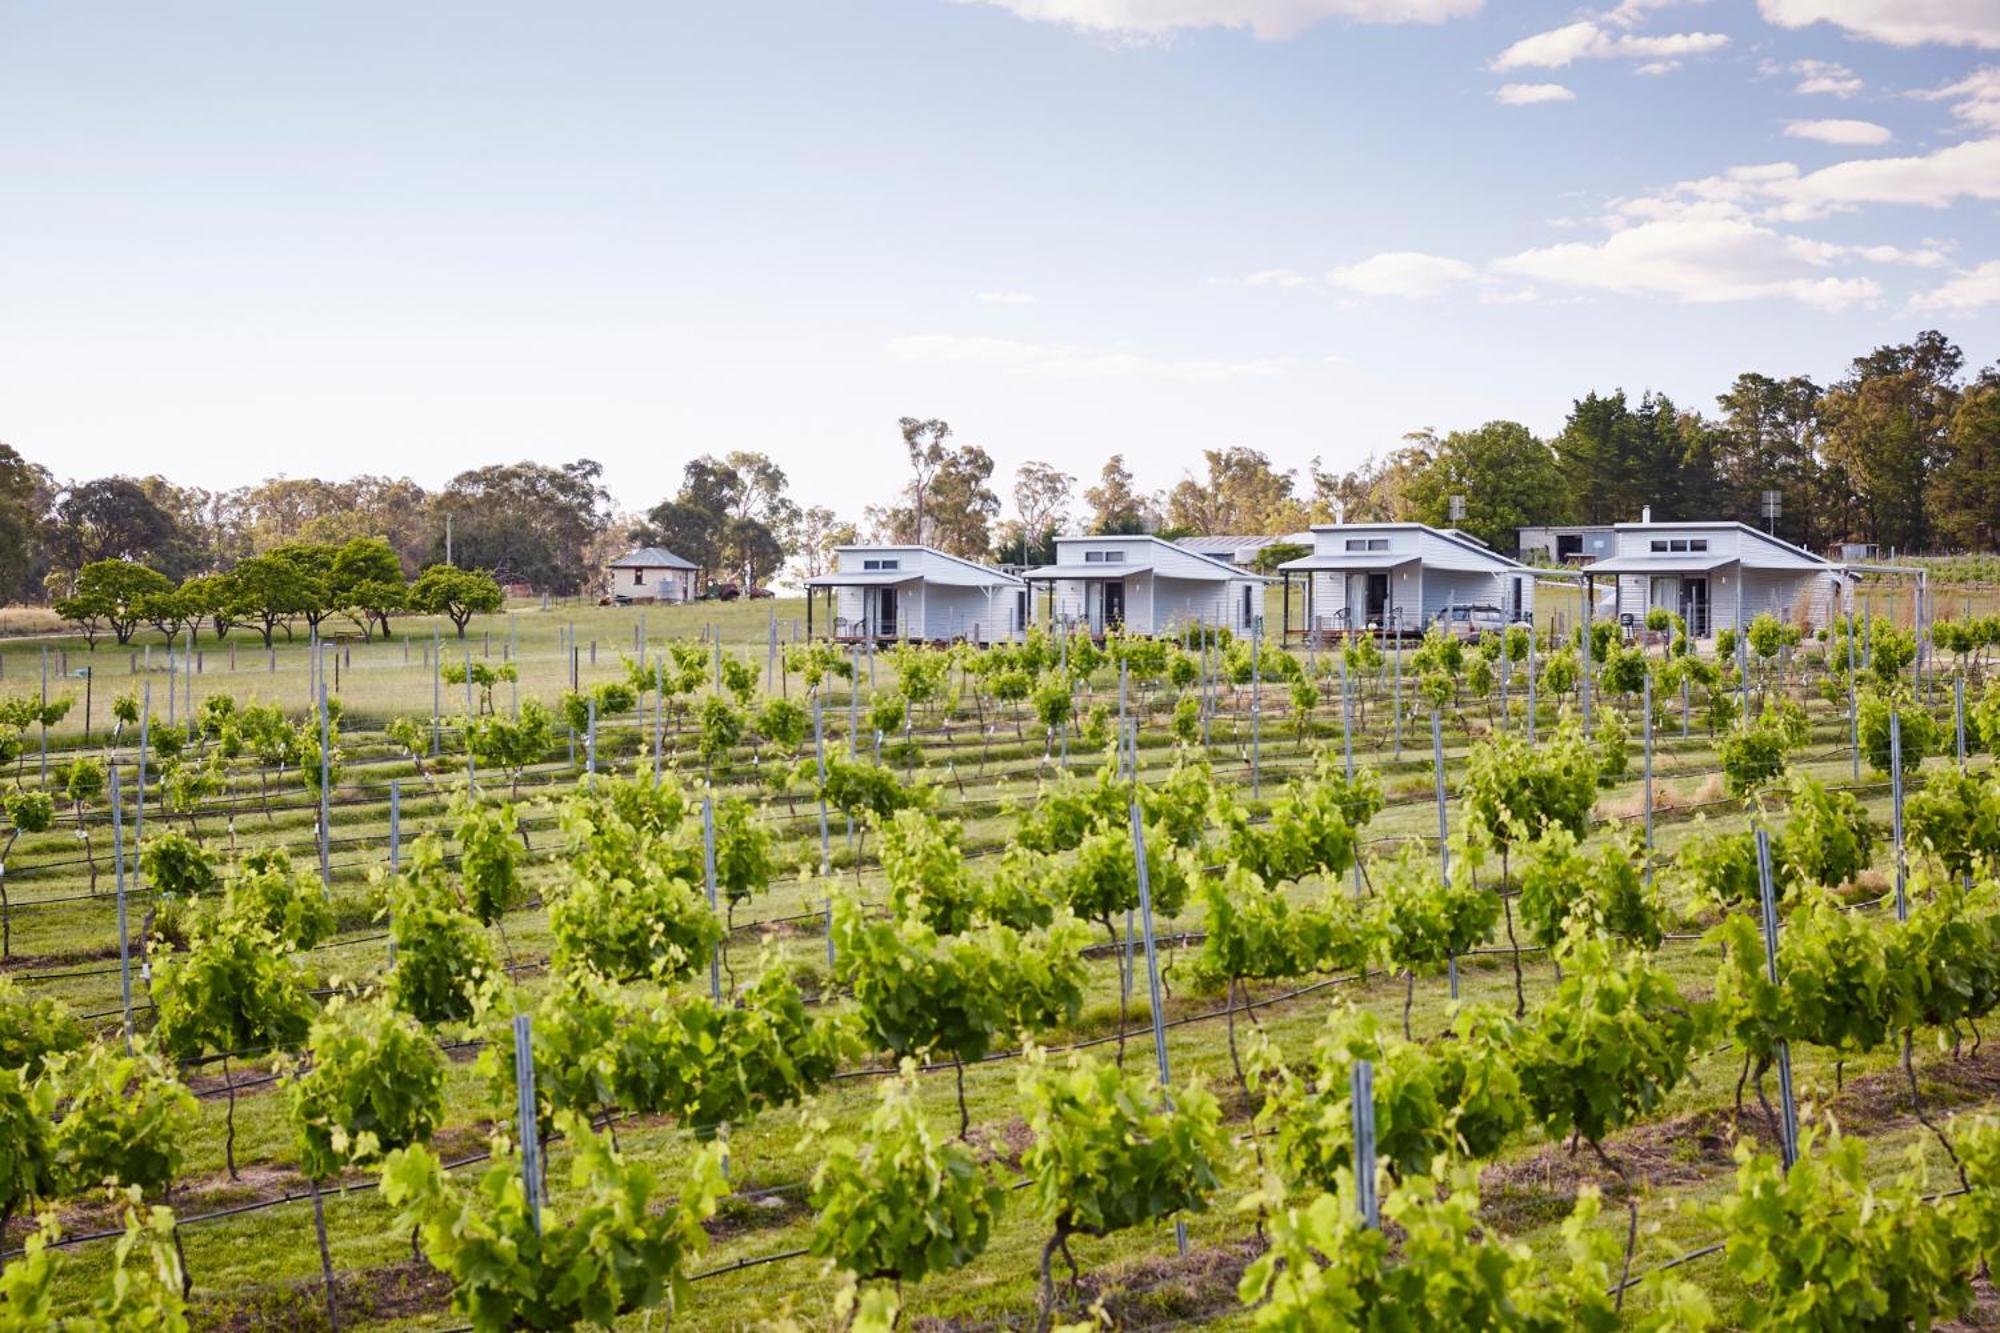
column 243, row 240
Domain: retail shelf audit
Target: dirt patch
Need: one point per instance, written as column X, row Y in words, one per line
column 395, row 1291
column 1984, row 1314
column 1002, row 1143
column 1537, row 1189
column 1145, row 1292
column 742, row 1215
column 1137, row 1293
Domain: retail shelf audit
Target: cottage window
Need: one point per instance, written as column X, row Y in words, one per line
column 881, row 564
column 638, row 578
column 1679, row 545
column 1367, row 543
column 1698, row 544
column 1659, row 544
column 1103, row 557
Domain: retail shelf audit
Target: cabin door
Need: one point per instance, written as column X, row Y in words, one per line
column 1694, row 607
column 1114, row 605
column 885, row 613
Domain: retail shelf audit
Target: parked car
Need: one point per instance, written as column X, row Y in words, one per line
column 723, row 592
column 760, row 594
column 1471, row 623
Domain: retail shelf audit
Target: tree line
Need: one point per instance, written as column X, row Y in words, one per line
column 1902, row 450
column 297, row 583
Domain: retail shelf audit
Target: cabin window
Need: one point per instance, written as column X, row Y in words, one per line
column 881, row 564
column 1679, row 545
column 1659, row 544
column 1103, row 557
column 1698, row 544
column 1367, row 543
column 638, row 578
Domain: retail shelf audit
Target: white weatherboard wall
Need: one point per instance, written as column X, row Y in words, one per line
column 1428, row 571
column 939, row 597
column 1166, row 587
column 1743, row 568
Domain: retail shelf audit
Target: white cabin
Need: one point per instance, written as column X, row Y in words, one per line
column 887, row 593
column 1143, row 585
column 652, row 574
column 1719, row 575
column 1401, row 577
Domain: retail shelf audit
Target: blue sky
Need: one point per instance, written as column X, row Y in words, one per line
column 311, row 238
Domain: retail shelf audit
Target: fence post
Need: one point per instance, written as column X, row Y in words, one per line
column 1256, row 705
column 1347, row 747
column 124, row 935
column 1853, row 714
column 437, row 688
column 1788, row 1131
column 325, row 796
column 1896, row 809
column 708, row 872
column 139, row 814
column 659, row 714
column 45, row 706
column 590, row 742
column 1531, row 687
column 825, row 853
column 1958, row 717
column 1153, row 984
column 1444, row 843
column 524, row 1115
column 1396, row 686
column 1361, row 1105
column 1586, row 638
column 1742, row 670
column 1646, row 704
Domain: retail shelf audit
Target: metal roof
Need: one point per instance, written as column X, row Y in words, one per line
column 1697, row 562
column 865, row 578
column 1340, row 560
column 651, row 557
column 1118, row 569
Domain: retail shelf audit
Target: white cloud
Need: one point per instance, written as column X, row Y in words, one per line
column 1630, row 12
column 1406, row 273
column 1588, row 40
column 1278, row 277
column 1698, row 261
column 1658, row 67
column 1006, row 298
column 1969, row 290
column 1779, row 191
column 1934, row 180
column 1272, row 19
column 1975, row 99
column 1851, row 132
column 1897, row 22
column 1826, row 77
column 1055, row 361
column 1528, row 94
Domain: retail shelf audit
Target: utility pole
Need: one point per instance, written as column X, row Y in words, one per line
column 447, row 539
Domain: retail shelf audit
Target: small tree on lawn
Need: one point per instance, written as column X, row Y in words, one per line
column 456, row 594
column 113, row 593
